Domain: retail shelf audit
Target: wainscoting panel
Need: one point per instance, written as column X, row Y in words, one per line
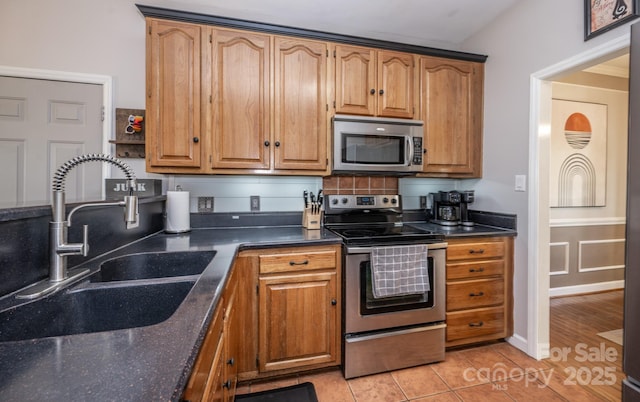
column 586, row 255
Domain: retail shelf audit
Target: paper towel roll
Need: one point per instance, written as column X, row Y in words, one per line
column 178, row 218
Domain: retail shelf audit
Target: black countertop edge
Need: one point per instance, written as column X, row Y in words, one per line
column 146, row 363
column 35, row 211
column 200, row 18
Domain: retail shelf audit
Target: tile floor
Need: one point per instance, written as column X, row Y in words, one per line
column 495, row 372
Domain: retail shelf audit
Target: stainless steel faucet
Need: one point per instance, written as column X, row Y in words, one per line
column 59, row 248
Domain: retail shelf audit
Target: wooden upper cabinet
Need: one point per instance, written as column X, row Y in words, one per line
column 300, row 104
column 451, row 108
column 355, row 80
column 374, row 83
column 240, row 99
column 395, row 84
column 173, row 122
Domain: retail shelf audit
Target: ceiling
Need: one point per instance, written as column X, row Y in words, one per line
column 433, row 23
column 617, row 67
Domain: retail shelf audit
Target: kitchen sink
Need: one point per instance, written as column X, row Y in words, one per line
column 153, row 265
column 93, row 308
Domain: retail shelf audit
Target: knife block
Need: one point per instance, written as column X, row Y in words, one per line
column 311, row 220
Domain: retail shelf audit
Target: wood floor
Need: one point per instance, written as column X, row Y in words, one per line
column 576, row 349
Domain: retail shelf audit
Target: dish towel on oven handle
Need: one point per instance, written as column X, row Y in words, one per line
column 399, row 270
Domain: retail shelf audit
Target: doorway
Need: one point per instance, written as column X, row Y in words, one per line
column 47, row 117
column 539, row 252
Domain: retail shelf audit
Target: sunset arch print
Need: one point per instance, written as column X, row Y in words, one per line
column 578, row 154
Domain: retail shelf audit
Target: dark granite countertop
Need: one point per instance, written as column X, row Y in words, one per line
column 464, row 231
column 149, row 363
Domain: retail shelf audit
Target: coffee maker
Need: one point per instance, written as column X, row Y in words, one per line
column 468, row 196
column 450, row 208
column 445, row 208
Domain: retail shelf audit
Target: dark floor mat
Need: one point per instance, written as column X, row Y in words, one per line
column 296, row 393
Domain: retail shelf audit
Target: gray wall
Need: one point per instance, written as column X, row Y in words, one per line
column 529, row 37
column 586, row 255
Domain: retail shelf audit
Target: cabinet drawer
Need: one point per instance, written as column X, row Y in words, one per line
column 472, row 270
column 474, row 294
column 475, row 323
column 303, row 261
column 476, row 250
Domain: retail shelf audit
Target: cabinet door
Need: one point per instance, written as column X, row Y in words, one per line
column 240, row 101
column 395, row 84
column 298, row 320
column 173, row 94
column 300, row 104
column 356, row 88
column 451, row 108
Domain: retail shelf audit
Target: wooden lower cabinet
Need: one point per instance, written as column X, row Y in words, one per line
column 292, row 317
column 479, row 289
column 214, row 376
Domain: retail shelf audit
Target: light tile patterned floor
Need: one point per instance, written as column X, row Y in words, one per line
column 496, row 372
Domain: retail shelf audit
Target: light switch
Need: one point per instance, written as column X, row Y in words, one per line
column 521, row 182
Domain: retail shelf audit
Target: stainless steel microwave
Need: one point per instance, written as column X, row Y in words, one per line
column 377, row 145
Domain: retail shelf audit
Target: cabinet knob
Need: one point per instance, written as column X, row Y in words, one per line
column 196, row 140
column 226, row 384
column 382, row 92
column 334, row 302
column 277, row 144
column 231, row 362
column 266, row 143
column 373, row 91
column 476, row 324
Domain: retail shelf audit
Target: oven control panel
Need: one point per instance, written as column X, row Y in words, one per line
column 347, row 201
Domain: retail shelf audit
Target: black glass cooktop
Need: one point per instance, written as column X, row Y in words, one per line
column 384, row 233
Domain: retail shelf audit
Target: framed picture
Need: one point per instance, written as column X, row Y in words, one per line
column 578, row 154
column 603, row 15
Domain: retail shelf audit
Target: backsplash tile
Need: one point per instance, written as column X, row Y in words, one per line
column 360, row 185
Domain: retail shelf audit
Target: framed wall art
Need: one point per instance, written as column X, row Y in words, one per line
column 578, row 154
column 603, row 15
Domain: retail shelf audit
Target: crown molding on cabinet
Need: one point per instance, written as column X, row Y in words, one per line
column 187, row 16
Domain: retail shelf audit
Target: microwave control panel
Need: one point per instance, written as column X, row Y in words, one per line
column 417, row 151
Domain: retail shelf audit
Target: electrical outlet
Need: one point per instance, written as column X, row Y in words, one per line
column 255, row 203
column 205, row 204
column 423, row 202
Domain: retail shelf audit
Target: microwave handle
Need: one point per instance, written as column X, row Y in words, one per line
column 409, row 145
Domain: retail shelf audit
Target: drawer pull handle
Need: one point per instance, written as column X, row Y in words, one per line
column 478, row 251
column 476, row 270
column 476, row 294
column 305, row 262
column 476, row 324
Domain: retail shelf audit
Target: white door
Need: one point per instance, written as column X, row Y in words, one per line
column 43, row 124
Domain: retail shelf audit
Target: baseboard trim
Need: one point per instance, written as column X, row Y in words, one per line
column 587, row 288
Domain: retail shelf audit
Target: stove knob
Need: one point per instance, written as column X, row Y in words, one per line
column 345, row 200
column 394, row 201
column 334, row 201
column 385, row 200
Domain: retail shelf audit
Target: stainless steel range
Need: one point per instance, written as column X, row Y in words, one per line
column 388, row 326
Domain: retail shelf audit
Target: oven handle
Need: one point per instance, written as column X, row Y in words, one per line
column 401, row 332
column 367, row 249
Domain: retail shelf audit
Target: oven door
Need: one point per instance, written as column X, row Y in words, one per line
column 365, row 313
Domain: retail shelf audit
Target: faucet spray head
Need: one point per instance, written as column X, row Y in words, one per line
column 131, row 207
